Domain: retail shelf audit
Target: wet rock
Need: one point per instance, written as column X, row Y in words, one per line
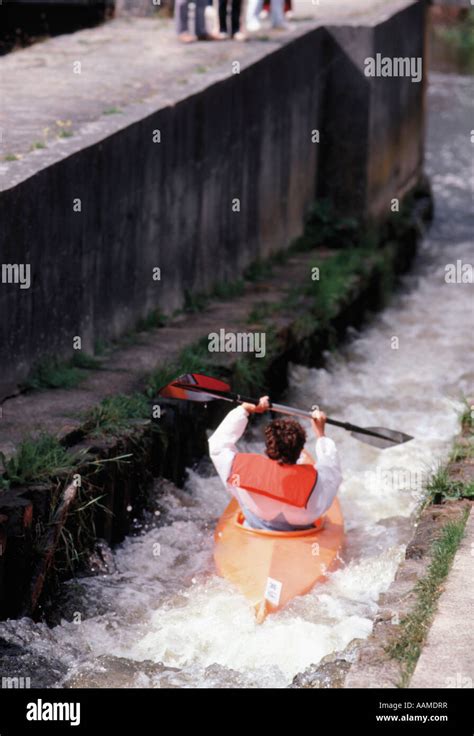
column 330, row 672
column 73, row 597
column 327, row 675
column 216, row 675
column 9, row 648
column 21, row 668
column 163, row 486
column 120, row 672
column 205, row 467
column 101, row 561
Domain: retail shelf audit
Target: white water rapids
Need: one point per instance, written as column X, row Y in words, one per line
column 171, row 608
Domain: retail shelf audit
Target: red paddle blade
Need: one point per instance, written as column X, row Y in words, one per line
column 197, row 383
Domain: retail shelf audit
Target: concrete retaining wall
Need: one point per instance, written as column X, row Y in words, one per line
column 373, row 127
column 170, row 205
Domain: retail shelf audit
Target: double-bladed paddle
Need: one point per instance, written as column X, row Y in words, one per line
column 198, row 387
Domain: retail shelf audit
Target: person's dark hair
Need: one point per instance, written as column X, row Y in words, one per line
column 284, row 440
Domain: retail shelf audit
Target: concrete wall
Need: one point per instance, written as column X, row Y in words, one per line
column 246, row 137
column 373, row 126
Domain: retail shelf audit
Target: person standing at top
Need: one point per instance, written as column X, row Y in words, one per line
column 277, row 15
column 283, row 490
column 182, row 23
column 235, row 9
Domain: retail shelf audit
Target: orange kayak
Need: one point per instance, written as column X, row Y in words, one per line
column 271, row 568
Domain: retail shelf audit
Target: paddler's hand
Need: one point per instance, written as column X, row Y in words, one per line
column 263, row 405
column 318, row 422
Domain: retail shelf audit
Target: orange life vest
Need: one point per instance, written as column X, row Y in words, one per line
column 292, row 484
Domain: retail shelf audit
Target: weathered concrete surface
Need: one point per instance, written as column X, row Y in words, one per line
column 447, row 659
column 169, row 205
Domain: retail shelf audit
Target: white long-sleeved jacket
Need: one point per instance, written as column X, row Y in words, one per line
column 222, row 448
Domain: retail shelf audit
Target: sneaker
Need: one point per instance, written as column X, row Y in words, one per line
column 239, row 36
column 222, row 36
column 253, row 25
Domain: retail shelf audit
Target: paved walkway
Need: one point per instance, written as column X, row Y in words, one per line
column 447, row 659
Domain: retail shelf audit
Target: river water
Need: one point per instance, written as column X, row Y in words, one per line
column 164, row 619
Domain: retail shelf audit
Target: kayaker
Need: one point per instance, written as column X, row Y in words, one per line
column 282, row 490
